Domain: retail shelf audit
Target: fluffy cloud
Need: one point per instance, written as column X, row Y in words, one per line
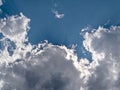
column 34, row 67
column 14, row 31
column 15, row 27
column 48, row 70
column 104, row 46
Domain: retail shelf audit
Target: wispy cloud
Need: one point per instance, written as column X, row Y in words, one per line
column 57, row 14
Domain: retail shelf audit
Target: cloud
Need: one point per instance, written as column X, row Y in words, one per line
column 48, row 70
column 50, row 67
column 34, row 67
column 57, row 14
column 14, row 30
column 104, row 45
column 15, row 27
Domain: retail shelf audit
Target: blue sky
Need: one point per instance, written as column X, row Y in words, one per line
column 78, row 14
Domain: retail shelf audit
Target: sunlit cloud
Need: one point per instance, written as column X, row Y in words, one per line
column 31, row 67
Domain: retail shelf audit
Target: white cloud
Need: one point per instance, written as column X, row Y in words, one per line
column 104, row 46
column 57, row 14
column 34, row 67
column 15, row 27
column 14, row 30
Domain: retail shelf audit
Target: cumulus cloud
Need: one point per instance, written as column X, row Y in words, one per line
column 14, row 31
column 15, row 27
column 34, row 67
column 48, row 70
column 50, row 67
column 104, row 45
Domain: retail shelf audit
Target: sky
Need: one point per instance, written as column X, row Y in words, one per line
column 59, row 45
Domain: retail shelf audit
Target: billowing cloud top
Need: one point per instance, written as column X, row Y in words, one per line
column 104, row 46
column 33, row 67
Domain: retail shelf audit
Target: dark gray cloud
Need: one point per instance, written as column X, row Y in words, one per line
column 56, row 73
